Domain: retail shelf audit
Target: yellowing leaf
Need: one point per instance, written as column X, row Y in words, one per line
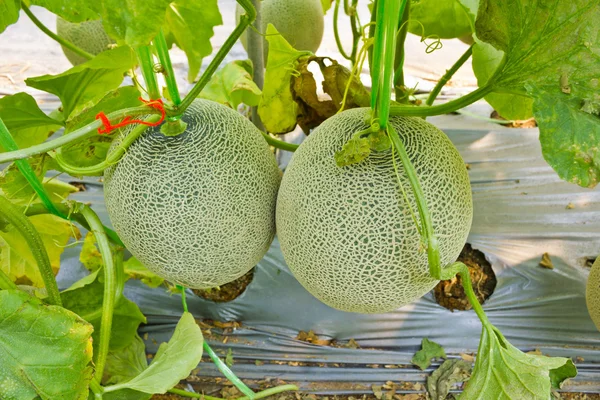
column 233, row 85
column 16, row 259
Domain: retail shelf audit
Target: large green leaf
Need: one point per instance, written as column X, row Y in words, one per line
column 277, row 108
column 9, row 13
column 16, row 259
column 173, row 360
column 503, row 372
column 86, row 298
column 552, row 53
column 25, row 121
column 233, row 85
column 84, row 85
column 446, row 19
column 71, row 10
column 45, row 351
column 189, row 24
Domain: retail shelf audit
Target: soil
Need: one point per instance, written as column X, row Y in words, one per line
column 227, row 292
column 451, row 294
column 526, row 123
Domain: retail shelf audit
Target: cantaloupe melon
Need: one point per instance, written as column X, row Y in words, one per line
column 89, row 36
column 346, row 233
column 592, row 293
column 198, row 208
column 300, row 22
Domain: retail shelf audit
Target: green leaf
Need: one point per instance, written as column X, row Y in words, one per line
column 125, row 364
column 447, row 375
column 326, row 5
column 71, row 10
column 233, row 85
column 354, row 150
column 85, row 298
column 9, row 13
column 45, row 351
column 189, row 24
column 16, row 259
column 92, row 151
column 87, row 83
column 25, row 121
column 445, row 19
column 504, row 372
column 429, row 350
column 551, row 53
column 277, row 108
column 91, row 258
column 173, row 360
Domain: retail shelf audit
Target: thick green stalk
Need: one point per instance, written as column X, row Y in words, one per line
column 227, row 372
column 259, row 395
column 160, row 43
column 280, row 144
column 14, row 215
column 120, row 274
column 84, row 132
column 399, row 85
column 372, row 26
column 6, row 283
column 147, row 65
column 256, row 56
column 63, row 42
column 356, row 31
column 183, row 300
column 112, row 158
column 96, row 389
column 245, row 20
column 445, row 108
column 449, row 73
column 110, row 277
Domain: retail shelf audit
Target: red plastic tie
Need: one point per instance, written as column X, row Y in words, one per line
column 107, row 128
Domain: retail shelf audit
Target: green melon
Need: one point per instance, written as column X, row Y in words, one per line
column 300, row 22
column 198, row 209
column 89, row 36
column 347, row 234
column 592, row 293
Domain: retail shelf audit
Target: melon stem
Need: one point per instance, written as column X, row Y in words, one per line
column 160, row 43
column 256, row 56
column 147, row 65
column 399, row 89
column 449, row 73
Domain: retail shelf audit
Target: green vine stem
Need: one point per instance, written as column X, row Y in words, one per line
column 449, row 73
column 445, row 108
column 96, row 389
column 6, row 283
column 279, row 144
column 256, row 56
column 14, row 215
column 111, row 159
column 110, row 277
column 245, row 20
column 227, row 372
column 120, row 274
column 54, row 36
column 356, row 29
column 399, row 85
column 338, row 41
column 147, row 65
column 84, row 132
column 67, row 210
column 183, row 300
column 372, row 26
column 259, row 395
column 160, row 43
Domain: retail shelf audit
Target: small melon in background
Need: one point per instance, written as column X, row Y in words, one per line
column 89, row 36
column 300, row 22
column 592, row 293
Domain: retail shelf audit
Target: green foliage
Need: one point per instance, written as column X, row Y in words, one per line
column 233, row 85
column 9, row 13
column 354, row 150
column 504, row 372
column 546, row 42
column 71, row 10
column 45, row 351
column 173, row 360
column 85, row 298
column 429, row 350
column 84, row 85
column 445, row 19
column 189, row 24
column 277, row 108
column 26, row 122
column 451, row 372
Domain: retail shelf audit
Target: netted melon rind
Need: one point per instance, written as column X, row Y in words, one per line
column 346, row 233
column 300, row 22
column 89, row 36
column 198, row 208
column 592, row 293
